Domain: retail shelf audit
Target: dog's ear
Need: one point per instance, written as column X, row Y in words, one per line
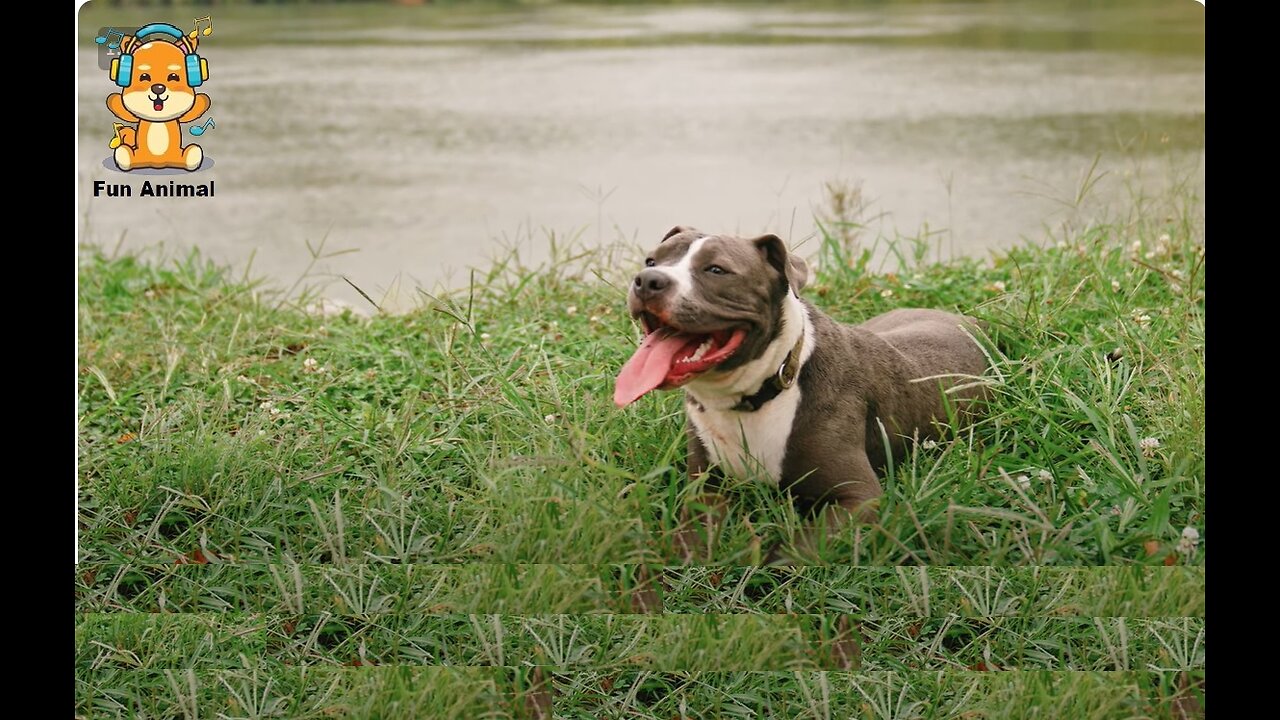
column 797, row 273
column 676, row 231
column 792, row 267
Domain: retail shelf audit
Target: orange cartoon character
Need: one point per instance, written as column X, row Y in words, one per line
column 158, row 72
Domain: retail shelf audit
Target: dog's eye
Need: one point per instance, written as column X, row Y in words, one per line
column 145, row 77
column 717, row 270
column 649, row 262
column 173, row 77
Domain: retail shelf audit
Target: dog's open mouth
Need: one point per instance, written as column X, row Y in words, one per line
column 157, row 102
column 669, row 358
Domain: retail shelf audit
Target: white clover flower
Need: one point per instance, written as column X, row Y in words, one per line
column 549, row 418
column 266, row 405
column 929, row 444
column 998, row 285
column 485, row 337
column 1141, row 318
column 1045, row 476
column 1148, row 446
column 1023, row 481
column 1190, row 540
column 593, row 319
column 886, row 293
column 571, row 310
column 1115, row 286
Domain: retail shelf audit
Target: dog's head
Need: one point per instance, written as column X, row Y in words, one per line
column 708, row 303
column 159, row 90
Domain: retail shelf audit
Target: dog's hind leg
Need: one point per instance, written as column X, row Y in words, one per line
column 852, row 498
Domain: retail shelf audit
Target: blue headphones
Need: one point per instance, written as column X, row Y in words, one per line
column 122, row 67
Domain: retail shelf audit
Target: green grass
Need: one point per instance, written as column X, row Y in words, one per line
column 268, row 495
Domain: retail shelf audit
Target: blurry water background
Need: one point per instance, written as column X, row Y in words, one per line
column 428, row 139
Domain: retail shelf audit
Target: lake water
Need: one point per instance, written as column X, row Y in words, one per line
column 427, row 138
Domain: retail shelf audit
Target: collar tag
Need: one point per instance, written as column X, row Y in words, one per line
column 787, row 373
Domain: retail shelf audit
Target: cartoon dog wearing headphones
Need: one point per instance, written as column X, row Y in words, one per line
column 158, row 71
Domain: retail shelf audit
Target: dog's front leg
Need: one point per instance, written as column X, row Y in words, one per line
column 849, row 496
column 702, row 516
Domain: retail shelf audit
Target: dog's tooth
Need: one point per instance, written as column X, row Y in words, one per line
column 702, row 350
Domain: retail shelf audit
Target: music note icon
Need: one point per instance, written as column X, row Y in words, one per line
column 199, row 129
column 206, row 31
column 119, row 137
column 109, row 33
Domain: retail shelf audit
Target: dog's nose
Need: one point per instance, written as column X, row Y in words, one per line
column 158, row 89
column 650, row 282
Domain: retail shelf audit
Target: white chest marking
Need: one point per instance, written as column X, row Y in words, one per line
column 752, row 444
column 158, row 139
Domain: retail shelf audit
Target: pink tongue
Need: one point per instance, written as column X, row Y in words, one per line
column 648, row 367
column 158, row 105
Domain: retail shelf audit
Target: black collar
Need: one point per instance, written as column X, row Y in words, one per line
column 776, row 383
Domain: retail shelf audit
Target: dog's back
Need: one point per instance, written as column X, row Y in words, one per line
column 934, row 342
column 914, row 370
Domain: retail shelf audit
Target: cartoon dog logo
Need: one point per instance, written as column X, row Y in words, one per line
column 158, row 72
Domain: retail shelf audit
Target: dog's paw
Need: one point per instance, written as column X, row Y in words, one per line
column 800, row 552
column 643, row 596
column 700, row 524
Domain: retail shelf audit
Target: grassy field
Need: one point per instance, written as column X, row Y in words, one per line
column 442, row 514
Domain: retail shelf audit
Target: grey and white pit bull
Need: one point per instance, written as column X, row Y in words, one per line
column 777, row 390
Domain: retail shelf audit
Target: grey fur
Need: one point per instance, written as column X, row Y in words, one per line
column 892, row 369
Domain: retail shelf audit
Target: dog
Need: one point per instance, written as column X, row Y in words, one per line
column 777, row 390
column 157, row 91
